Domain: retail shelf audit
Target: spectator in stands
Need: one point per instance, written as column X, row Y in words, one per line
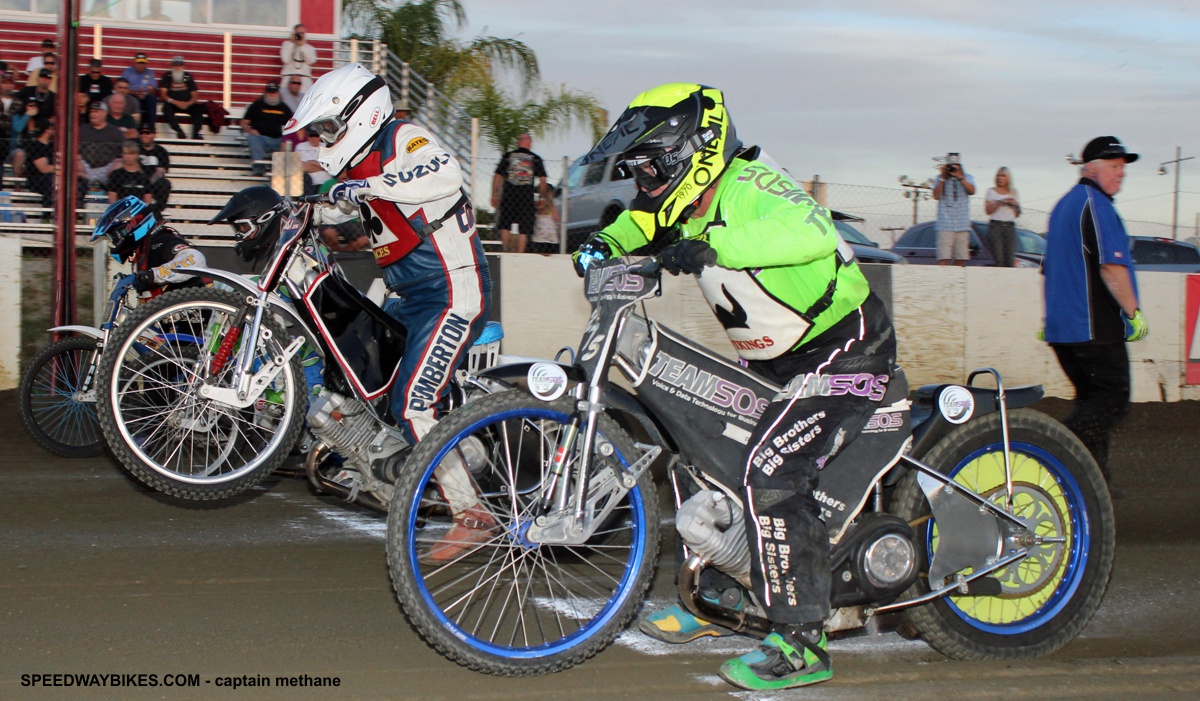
column 129, row 179
column 40, row 178
column 263, row 125
column 156, row 14
column 94, row 83
column 298, row 57
column 155, row 162
column 400, row 109
column 81, row 106
column 143, row 87
column 517, row 175
column 39, row 98
column 314, row 175
column 293, row 92
column 8, row 103
column 50, row 65
column 99, row 146
column 35, row 62
column 118, row 118
column 178, row 90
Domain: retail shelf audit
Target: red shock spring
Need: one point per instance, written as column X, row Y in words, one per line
column 225, row 349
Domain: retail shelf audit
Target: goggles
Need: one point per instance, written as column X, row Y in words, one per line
column 649, row 172
column 329, row 129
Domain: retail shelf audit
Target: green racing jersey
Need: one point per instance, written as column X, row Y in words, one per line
column 783, row 274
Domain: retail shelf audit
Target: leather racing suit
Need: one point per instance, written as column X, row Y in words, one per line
column 799, row 312
column 169, row 255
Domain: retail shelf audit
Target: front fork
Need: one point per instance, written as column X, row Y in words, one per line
column 247, row 384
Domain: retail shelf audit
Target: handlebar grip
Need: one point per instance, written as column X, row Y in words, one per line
column 313, row 199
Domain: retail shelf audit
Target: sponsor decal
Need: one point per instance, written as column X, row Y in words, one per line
column 705, row 389
column 416, row 144
column 956, row 404
column 433, row 372
column 863, row 384
column 888, row 422
column 382, row 252
column 547, row 381
column 613, row 279
column 374, row 118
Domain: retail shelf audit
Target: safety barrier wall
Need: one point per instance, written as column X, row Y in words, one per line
column 948, row 321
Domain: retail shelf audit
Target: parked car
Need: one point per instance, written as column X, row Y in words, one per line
column 919, row 245
column 865, row 250
column 597, row 194
column 1154, row 254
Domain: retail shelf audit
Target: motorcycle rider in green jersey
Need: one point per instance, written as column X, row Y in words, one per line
column 798, row 311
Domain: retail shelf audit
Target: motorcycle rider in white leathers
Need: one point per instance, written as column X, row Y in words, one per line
column 421, row 227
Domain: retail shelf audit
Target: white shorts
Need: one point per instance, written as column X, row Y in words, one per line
column 953, row 245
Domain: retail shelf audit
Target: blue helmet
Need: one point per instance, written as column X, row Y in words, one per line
column 126, row 223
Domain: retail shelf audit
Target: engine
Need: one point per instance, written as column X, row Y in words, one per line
column 349, row 428
column 711, row 526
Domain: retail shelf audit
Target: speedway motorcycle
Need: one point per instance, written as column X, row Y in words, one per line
column 986, row 524
column 217, row 416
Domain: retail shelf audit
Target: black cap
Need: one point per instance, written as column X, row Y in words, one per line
column 272, row 86
column 48, row 43
column 94, row 63
column 1103, row 148
column 139, row 57
column 8, row 75
column 45, row 73
column 146, row 129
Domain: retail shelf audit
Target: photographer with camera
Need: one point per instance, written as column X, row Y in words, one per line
column 952, row 189
column 298, row 57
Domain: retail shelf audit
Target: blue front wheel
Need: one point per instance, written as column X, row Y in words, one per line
column 469, row 576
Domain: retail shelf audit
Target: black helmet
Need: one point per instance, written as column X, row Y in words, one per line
column 677, row 138
column 255, row 214
column 126, row 223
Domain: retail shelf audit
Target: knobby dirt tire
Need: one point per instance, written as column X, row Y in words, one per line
column 255, row 443
column 1048, row 598
column 630, row 532
column 54, row 417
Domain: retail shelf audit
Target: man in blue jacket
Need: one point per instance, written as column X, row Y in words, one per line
column 1091, row 295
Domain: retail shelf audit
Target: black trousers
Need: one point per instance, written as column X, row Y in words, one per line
column 838, row 381
column 1100, row 373
column 198, row 112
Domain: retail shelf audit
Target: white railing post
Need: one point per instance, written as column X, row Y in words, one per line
column 227, row 72
column 375, row 64
column 99, row 280
column 353, row 51
column 565, row 213
column 97, row 44
column 404, row 94
column 474, row 156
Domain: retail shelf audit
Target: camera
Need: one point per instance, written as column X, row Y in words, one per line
column 952, row 165
column 297, row 36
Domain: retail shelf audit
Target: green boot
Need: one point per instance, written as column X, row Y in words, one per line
column 780, row 663
column 676, row 625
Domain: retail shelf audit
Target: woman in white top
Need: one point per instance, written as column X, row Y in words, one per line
column 1002, row 205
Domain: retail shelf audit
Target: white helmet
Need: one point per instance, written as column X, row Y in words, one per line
column 345, row 107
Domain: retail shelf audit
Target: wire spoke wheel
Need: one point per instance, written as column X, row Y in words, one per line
column 1047, row 597
column 58, row 398
column 173, row 439
column 498, row 602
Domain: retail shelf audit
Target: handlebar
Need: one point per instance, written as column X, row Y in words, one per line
column 313, row 199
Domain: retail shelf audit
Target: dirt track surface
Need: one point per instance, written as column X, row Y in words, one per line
column 98, row 576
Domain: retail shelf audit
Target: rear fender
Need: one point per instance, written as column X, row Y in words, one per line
column 278, row 304
column 936, row 409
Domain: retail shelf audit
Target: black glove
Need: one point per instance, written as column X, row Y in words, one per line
column 143, row 281
column 592, row 251
column 687, row 256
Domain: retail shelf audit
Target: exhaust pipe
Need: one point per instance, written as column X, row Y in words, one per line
column 739, row 621
column 324, row 485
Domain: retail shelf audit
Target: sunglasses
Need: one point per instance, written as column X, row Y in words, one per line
column 295, row 82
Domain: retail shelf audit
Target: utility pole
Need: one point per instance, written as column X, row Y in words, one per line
column 916, row 192
column 1162, row 170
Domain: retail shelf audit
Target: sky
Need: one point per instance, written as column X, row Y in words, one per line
column 863, row 91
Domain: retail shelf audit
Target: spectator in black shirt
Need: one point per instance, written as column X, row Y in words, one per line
column 513, row 183
column 99, row 145
column 40, row 97
column 263, row 125
column 177, row 91
column 39, row 177
column 155, row 163
column 129, row 179
column 96, row 86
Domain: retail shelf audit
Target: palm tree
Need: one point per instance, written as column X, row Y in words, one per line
column 419, row 32
column 502, row 118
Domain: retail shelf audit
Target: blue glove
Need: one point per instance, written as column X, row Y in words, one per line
column 347, row 190
column 591, row 252
column 689, row 256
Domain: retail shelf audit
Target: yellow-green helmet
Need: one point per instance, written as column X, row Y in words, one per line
column 677, row 135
